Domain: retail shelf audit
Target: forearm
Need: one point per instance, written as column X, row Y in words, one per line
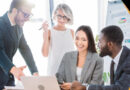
column 27, row 55
column 61, row 71
column 5, row 62
column 97, row 74
column 45, row 48
column 101, row 87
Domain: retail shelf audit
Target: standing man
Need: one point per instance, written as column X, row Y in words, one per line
column 12, row 38
column 110, row 43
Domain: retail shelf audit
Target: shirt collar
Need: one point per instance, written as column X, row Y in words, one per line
column 116, row 59
column 12, row 24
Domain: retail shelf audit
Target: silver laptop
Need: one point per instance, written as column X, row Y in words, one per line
column 40, row 83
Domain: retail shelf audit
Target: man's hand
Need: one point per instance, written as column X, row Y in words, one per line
column 77, row 86
column 66, row 86
column 17, row 72
column 35, row 74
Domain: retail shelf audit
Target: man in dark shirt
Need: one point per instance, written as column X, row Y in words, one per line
column 11, row 39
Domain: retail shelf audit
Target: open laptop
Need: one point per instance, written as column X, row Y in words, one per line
column 40, row 83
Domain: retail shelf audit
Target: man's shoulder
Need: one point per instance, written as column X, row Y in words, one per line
column 126, row 51
column 1, row 20
column 2, row 23
column 126, row 57
column 4, row 20
column 70, row 53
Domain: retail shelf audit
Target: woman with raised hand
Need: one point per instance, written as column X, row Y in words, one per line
column 59, row 39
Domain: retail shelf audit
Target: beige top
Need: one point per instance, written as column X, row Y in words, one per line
column 60, row 43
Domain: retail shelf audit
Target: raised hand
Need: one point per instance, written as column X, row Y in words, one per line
column 45, row 26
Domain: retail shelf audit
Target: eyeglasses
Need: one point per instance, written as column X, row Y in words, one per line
column 64, row 17
column 26, row 15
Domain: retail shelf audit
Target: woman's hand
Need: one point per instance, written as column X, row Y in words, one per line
column 66, row 86
column 77, row 86
column 45, row 26
column 45, row 30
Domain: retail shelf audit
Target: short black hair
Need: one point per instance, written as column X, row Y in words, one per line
column 113, row 33
column 89, row 34
column 20, row 3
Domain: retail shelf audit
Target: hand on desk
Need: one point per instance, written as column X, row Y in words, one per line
column 17, row 72
column 66, row 86
column 77, row 86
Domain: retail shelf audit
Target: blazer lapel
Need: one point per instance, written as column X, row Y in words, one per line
column 18, row 32
column 74, row 65
column 13, row 33
column 123, row 55
column 85, row 67
column 10, row 29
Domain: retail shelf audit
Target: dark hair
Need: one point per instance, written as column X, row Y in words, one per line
column 20, row 3
column 89, row 34
column 114, row 34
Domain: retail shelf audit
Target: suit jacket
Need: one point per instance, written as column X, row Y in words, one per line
column 122, row 74
column 91, row 72
column 12, row 38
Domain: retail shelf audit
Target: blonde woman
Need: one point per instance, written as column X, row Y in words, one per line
column 59, row 39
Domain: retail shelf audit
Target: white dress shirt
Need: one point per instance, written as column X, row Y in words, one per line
column 116, row 59
column 78, row 73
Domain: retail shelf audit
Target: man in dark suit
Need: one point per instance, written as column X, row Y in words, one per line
column 12, row 38
column 110, row 43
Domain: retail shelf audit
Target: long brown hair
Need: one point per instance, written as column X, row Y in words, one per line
column 89, row 34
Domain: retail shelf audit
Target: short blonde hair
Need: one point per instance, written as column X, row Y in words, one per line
column 66, row 10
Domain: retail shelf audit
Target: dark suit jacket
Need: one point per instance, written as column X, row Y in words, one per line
column 12, row 38
column 91, row 72
column 122, row 75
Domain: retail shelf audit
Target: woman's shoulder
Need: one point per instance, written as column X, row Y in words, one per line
column 71, row 30
column 96, row 56
column 71, row 53
column 69, row 56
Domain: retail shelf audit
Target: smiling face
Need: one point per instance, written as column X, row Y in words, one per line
column 60, row 18
column 103, row 45
column 81, row 41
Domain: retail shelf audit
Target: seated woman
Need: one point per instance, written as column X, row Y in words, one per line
column 83, row 65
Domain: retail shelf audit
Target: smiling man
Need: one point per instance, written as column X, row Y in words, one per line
column 11, row 39
column 110, row 43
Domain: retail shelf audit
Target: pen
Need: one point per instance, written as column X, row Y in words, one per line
column 40, row 28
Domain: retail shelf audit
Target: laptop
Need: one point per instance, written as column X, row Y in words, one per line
column 40, row 83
